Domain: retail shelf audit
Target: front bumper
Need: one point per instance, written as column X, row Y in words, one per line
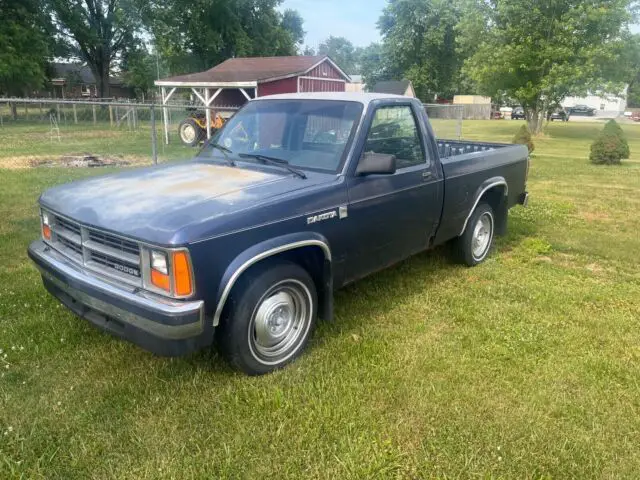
column 162, row 326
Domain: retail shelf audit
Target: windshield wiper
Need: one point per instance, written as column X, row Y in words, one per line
column 225, row 151
column 280, row 162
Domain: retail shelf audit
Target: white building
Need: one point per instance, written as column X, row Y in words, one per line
column 606, row 105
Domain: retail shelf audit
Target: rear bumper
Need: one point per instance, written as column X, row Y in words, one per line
column 162, row 326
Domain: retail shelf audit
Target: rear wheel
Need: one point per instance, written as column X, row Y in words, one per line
column 190, row 132
column 271, row 317
column 474, row 244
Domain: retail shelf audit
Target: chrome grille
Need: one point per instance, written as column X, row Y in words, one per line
column 105, row 253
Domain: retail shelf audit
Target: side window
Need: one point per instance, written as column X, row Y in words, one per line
column 394, row 131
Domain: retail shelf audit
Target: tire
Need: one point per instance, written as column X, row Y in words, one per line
column 248, row 339
column 470, row 252
column 190, row 132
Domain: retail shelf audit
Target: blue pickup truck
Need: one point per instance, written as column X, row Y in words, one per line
column 244, row 245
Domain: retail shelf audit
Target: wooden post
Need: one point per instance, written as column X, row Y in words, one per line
column 93, row 107
column 40, row 109
column 165, row 115
column 75, row 114
column 58, row 112
column 26, row 111
column 117, row 117
column 110, row 116
column 207, row 112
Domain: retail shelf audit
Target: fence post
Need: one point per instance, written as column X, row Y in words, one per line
column 110, row 116
column 460, row 117
column 58, row 111
column 75, row 114
column 26, row 110
column 154, row 135
column 93, row 108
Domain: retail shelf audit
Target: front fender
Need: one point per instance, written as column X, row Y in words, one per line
column 260, row 251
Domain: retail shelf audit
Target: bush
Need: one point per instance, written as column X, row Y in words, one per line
column 612, row 127
column 523, row 137
column 610, row 146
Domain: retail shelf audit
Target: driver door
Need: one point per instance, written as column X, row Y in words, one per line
column 393, row 216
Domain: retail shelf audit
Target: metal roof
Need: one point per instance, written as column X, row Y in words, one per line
column 248, row 72
column 397, row 87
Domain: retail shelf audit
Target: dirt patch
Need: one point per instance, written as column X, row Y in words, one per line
column 82, row 160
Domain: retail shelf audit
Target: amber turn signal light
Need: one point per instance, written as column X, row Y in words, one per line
column 46, row 232
column 182, row 274
column 160, row 280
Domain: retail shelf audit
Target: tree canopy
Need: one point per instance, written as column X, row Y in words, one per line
column 342, row 52
column 97, row 31
column 419, row 43
column 25, row 46
column 195, row 35
column 539, row 52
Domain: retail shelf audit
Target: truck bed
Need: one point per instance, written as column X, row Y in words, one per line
column 470, row 166
column 452, row 148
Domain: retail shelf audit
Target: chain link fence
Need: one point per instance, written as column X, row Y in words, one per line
column 36, row 132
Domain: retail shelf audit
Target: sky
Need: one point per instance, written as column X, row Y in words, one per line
column 353, row 19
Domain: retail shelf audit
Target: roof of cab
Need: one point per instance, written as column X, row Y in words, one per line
column 364, row 98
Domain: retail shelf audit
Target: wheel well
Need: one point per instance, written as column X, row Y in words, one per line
column 497, row 200
column 313, row 260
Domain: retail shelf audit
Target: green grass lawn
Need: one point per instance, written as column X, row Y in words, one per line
column 524, row 367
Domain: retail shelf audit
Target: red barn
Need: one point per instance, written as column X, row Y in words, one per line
column 234, row 81
column 237, row 80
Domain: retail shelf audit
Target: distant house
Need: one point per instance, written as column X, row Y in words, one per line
column 76, row 81
column 395, row 87
column 606, row 105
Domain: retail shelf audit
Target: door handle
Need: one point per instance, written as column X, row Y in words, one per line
column 426, row 174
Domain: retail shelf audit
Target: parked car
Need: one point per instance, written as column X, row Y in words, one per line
column 518, row 114
column 559, row 114
column 582, row 110
column 246, row 243
column 635, row 116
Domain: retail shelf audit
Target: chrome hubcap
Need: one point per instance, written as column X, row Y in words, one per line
column 482, row 233
column 188, row 133
column 280, row 322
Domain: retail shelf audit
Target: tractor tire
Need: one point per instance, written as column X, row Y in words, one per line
column 191, row 134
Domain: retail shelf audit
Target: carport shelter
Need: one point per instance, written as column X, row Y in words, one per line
column 237, row 80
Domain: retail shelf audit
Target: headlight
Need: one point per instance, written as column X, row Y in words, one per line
column 46, row 225
column 170, row 271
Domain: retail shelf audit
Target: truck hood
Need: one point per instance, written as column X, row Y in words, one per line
column 155, row 204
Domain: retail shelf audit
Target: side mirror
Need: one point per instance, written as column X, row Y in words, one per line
column 376, row 163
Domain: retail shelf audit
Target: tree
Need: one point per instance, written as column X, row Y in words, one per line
column 419, row 43
column 539, row 52
column 292, row 22
column 341, row 51
column 98, row 31
column 195, row 35
column 372, row 65
column 308, row 51
column 139, row 70
column 610, row 146
column 24, row 47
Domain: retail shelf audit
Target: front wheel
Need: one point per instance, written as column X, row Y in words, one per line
column 272, row 315
column 474, row 244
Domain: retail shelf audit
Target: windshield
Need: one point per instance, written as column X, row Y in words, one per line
column 305, row 133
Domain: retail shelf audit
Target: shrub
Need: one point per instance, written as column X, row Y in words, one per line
column 523, row 137
column 610, row 146
column 614, row 128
